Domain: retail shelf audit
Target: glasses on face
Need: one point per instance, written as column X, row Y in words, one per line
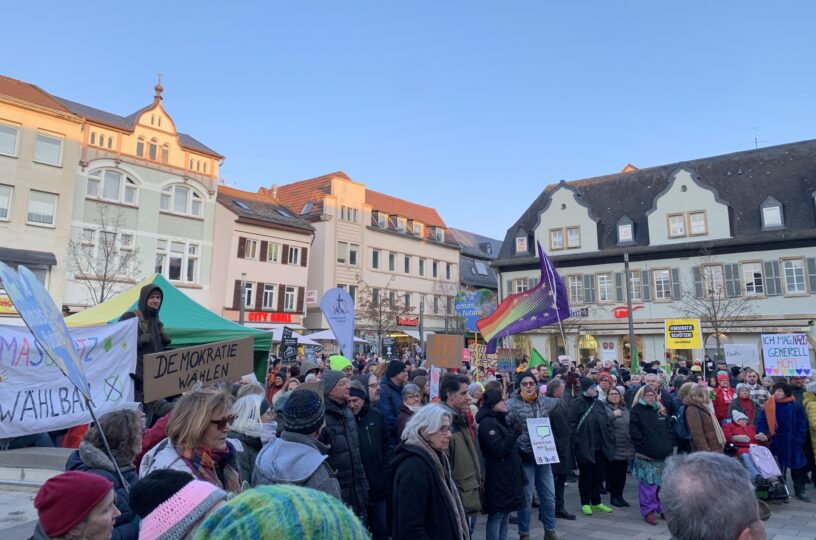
column 528, row 383
column 374, row 385
column 222, row 424
column 444, row 429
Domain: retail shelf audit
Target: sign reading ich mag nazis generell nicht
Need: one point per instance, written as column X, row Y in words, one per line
column 683, row 334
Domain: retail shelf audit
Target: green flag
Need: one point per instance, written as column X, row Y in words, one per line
column 537, row 360
column 635, row 363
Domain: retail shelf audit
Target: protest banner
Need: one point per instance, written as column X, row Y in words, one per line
column 742, row 355
column 474, row 305
column 683, row 334
column 175, row 371
column 505, row 360
column 466, row 355
column 433, row 392
column 338, row 308
column 444, row 350
column 288, row 346
column 45, row 322
column 35, row 397
column 389, row 347
column 542, row 441
column 786, row 355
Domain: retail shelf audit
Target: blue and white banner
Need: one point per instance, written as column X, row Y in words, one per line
column 34, row 395
column 338, row 308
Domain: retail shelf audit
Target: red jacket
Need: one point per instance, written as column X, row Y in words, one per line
column 153, row 436
column 722, row 400
column 732, row 428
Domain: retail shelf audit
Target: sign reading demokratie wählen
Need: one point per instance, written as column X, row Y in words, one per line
column 786, row 355
column 683, row 334
column 35, row 397
column 176, row 371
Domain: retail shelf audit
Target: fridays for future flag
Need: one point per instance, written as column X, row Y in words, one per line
column 543, row 305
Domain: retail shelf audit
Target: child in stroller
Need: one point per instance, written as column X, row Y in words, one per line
column 745, row 443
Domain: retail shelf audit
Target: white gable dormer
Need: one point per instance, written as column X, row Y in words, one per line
column 687, row 211
column 566, row 224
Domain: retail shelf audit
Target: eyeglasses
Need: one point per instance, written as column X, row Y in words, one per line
column 444, row 429
column 221, row 424
column 374, row 385
column 528, row 383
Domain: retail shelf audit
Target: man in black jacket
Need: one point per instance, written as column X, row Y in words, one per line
column 341, row 435
column 375, row 451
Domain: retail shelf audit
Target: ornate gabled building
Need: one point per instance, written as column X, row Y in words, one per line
column 736, row 230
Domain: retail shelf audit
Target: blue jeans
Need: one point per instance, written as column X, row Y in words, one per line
column 540, row 478
column 497, row 526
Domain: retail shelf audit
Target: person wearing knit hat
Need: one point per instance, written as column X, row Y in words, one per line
column 330, row 379
column 605, row 381
column 338, row 362
column 282, row 512
column 396, row 376
column 75, row 504
column 177, row 503
column 724, row 395
column 297, row 456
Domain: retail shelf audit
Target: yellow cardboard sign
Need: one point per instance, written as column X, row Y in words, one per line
column 683, row 334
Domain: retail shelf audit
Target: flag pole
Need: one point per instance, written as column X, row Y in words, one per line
column 555, row 302
column 634, row 364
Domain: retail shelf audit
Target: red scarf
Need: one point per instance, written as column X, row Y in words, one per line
column 204, row 463
column 770, row 412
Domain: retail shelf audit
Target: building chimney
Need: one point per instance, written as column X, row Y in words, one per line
column 274, row 191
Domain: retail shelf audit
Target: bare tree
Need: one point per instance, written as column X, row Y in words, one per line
column 453, row 322
column 715, row 297
column 104, row 258
column 378, row 308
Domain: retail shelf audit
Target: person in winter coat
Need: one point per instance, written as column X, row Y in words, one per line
column 624, row 449
column 343, row 440
column 741, row 433
column 151, row 339
column 594, row 445
column 197, row 441
column 464, row 457
column 809, row 404
column 396, row 376
column 783, row 422
column 632, row 388
column 123, row 429
column 297, row 457
column 702, row 426
column 743, row 403
column 75, row 504
column 376, row 453
column 426, row 501
column 253, row 427
column 526, row 403
column 562, row 433
column 504, row 475
column 651, row 434
column 724, row 396
column 411, row 402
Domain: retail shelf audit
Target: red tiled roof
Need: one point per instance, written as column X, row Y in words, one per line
column 394, row 206
column 28, row 92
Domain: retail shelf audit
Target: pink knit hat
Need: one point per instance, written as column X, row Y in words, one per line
column 178, row 515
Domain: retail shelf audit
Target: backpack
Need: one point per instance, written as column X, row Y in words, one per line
column 680, row 425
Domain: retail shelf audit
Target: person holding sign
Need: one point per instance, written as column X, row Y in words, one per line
column 504, row 478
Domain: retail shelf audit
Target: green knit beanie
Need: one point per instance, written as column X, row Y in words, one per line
column 282, row 512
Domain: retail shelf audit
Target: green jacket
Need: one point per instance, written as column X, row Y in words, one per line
column 465, row 467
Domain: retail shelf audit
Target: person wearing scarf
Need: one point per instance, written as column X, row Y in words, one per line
column 724, row 396
column 783, row 421
column 197, row 441
column 743, row 403
column 426, row 502
column 703, row 426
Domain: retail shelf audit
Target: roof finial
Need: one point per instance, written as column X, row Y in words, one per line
column 158, row 88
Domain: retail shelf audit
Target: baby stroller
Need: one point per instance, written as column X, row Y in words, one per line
column 765, row 474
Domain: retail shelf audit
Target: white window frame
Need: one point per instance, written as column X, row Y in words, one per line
column 251, row 248
column 691, row 229
column 575, row 289
column 439, row 234
column 193, row 257
column 16, row 139
column 54, row 137
column 382, row 220
column 682, row 222
column 342, row 252
column 294, row 255
column 573, row 242
column 625, row 233
column 749, row 278
column 98, row 179
column 416, row 229
column 163, row 256
column 713, row 276
column 777, row 218
column 406, row 264
column 273, row 252
column 392, row 261
column 401, row 224
column 521, row 244
column 376, row 256
column 194, row 200
column 666, row 291
column 481, row 267
column 5, row 212
column 270, row 293
column 636, row 285
column 354, row 255
column 290, row 298
column 520, row 285
column 53, row 222
column 435, row 269
column 249, row 294
column 448, row 271
column 557, row 240
column 604, row 294
column 421, row 267
column 802, row 270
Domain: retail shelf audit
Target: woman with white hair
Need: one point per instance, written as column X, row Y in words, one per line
column 426, row 500
column 253, row 427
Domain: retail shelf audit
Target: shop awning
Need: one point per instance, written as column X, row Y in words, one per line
column 415, row 333
column 25, row 257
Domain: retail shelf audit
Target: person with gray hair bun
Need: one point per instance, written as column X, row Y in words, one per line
column 426, row 501
column 700, row 489
column 411, row 402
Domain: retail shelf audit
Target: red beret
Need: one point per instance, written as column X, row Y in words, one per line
column 66, row 499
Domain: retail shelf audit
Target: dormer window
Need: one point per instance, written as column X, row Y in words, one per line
column 772, row 216
column 382, row 220
column 439, row 234
column 401, row 224
column 626, row 231
column 417, row 229
column 521, row 244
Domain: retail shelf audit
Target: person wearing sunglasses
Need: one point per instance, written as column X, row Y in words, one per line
column 197, row 441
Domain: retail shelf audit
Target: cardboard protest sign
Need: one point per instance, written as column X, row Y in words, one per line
column 338, row 308
column 786, row 355
column 542, row 440
column 45, row 322
column 505, row 361
column 288, row 347
column 742, row 355
column 444, row 351
column 35, row 397
column 176, row 371
column 683, row 334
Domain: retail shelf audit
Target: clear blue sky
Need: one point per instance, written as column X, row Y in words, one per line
column 472, row 107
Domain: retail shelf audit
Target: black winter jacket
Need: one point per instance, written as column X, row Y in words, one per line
column 389, row 407
column 341, row 435
column 562, row 433
column 246, row 453
column 375, row 451
column 651, row 432
column 151, row 336
column 595, row 434
column 93, row 460
column 504, row 478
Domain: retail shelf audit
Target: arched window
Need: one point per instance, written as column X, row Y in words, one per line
column 198, row 165
column 140, row 146
column 205, row 167
column 181, row 199
column 93, row 137
column 102, row 140
column 153, row 149
column 112, row 185
column 165, row 153
column 191, row 164
column 110, row 142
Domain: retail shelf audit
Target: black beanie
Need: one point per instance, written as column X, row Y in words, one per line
column 395, row 367
column 523, row 375
column 586, row 384
column 156, row 488
column 491, row 397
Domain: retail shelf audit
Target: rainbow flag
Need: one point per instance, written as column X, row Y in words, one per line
column 543, row 305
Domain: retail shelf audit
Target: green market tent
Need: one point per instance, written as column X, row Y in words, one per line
column 187, row 322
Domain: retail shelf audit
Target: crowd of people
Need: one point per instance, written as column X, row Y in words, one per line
column 360, row 448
